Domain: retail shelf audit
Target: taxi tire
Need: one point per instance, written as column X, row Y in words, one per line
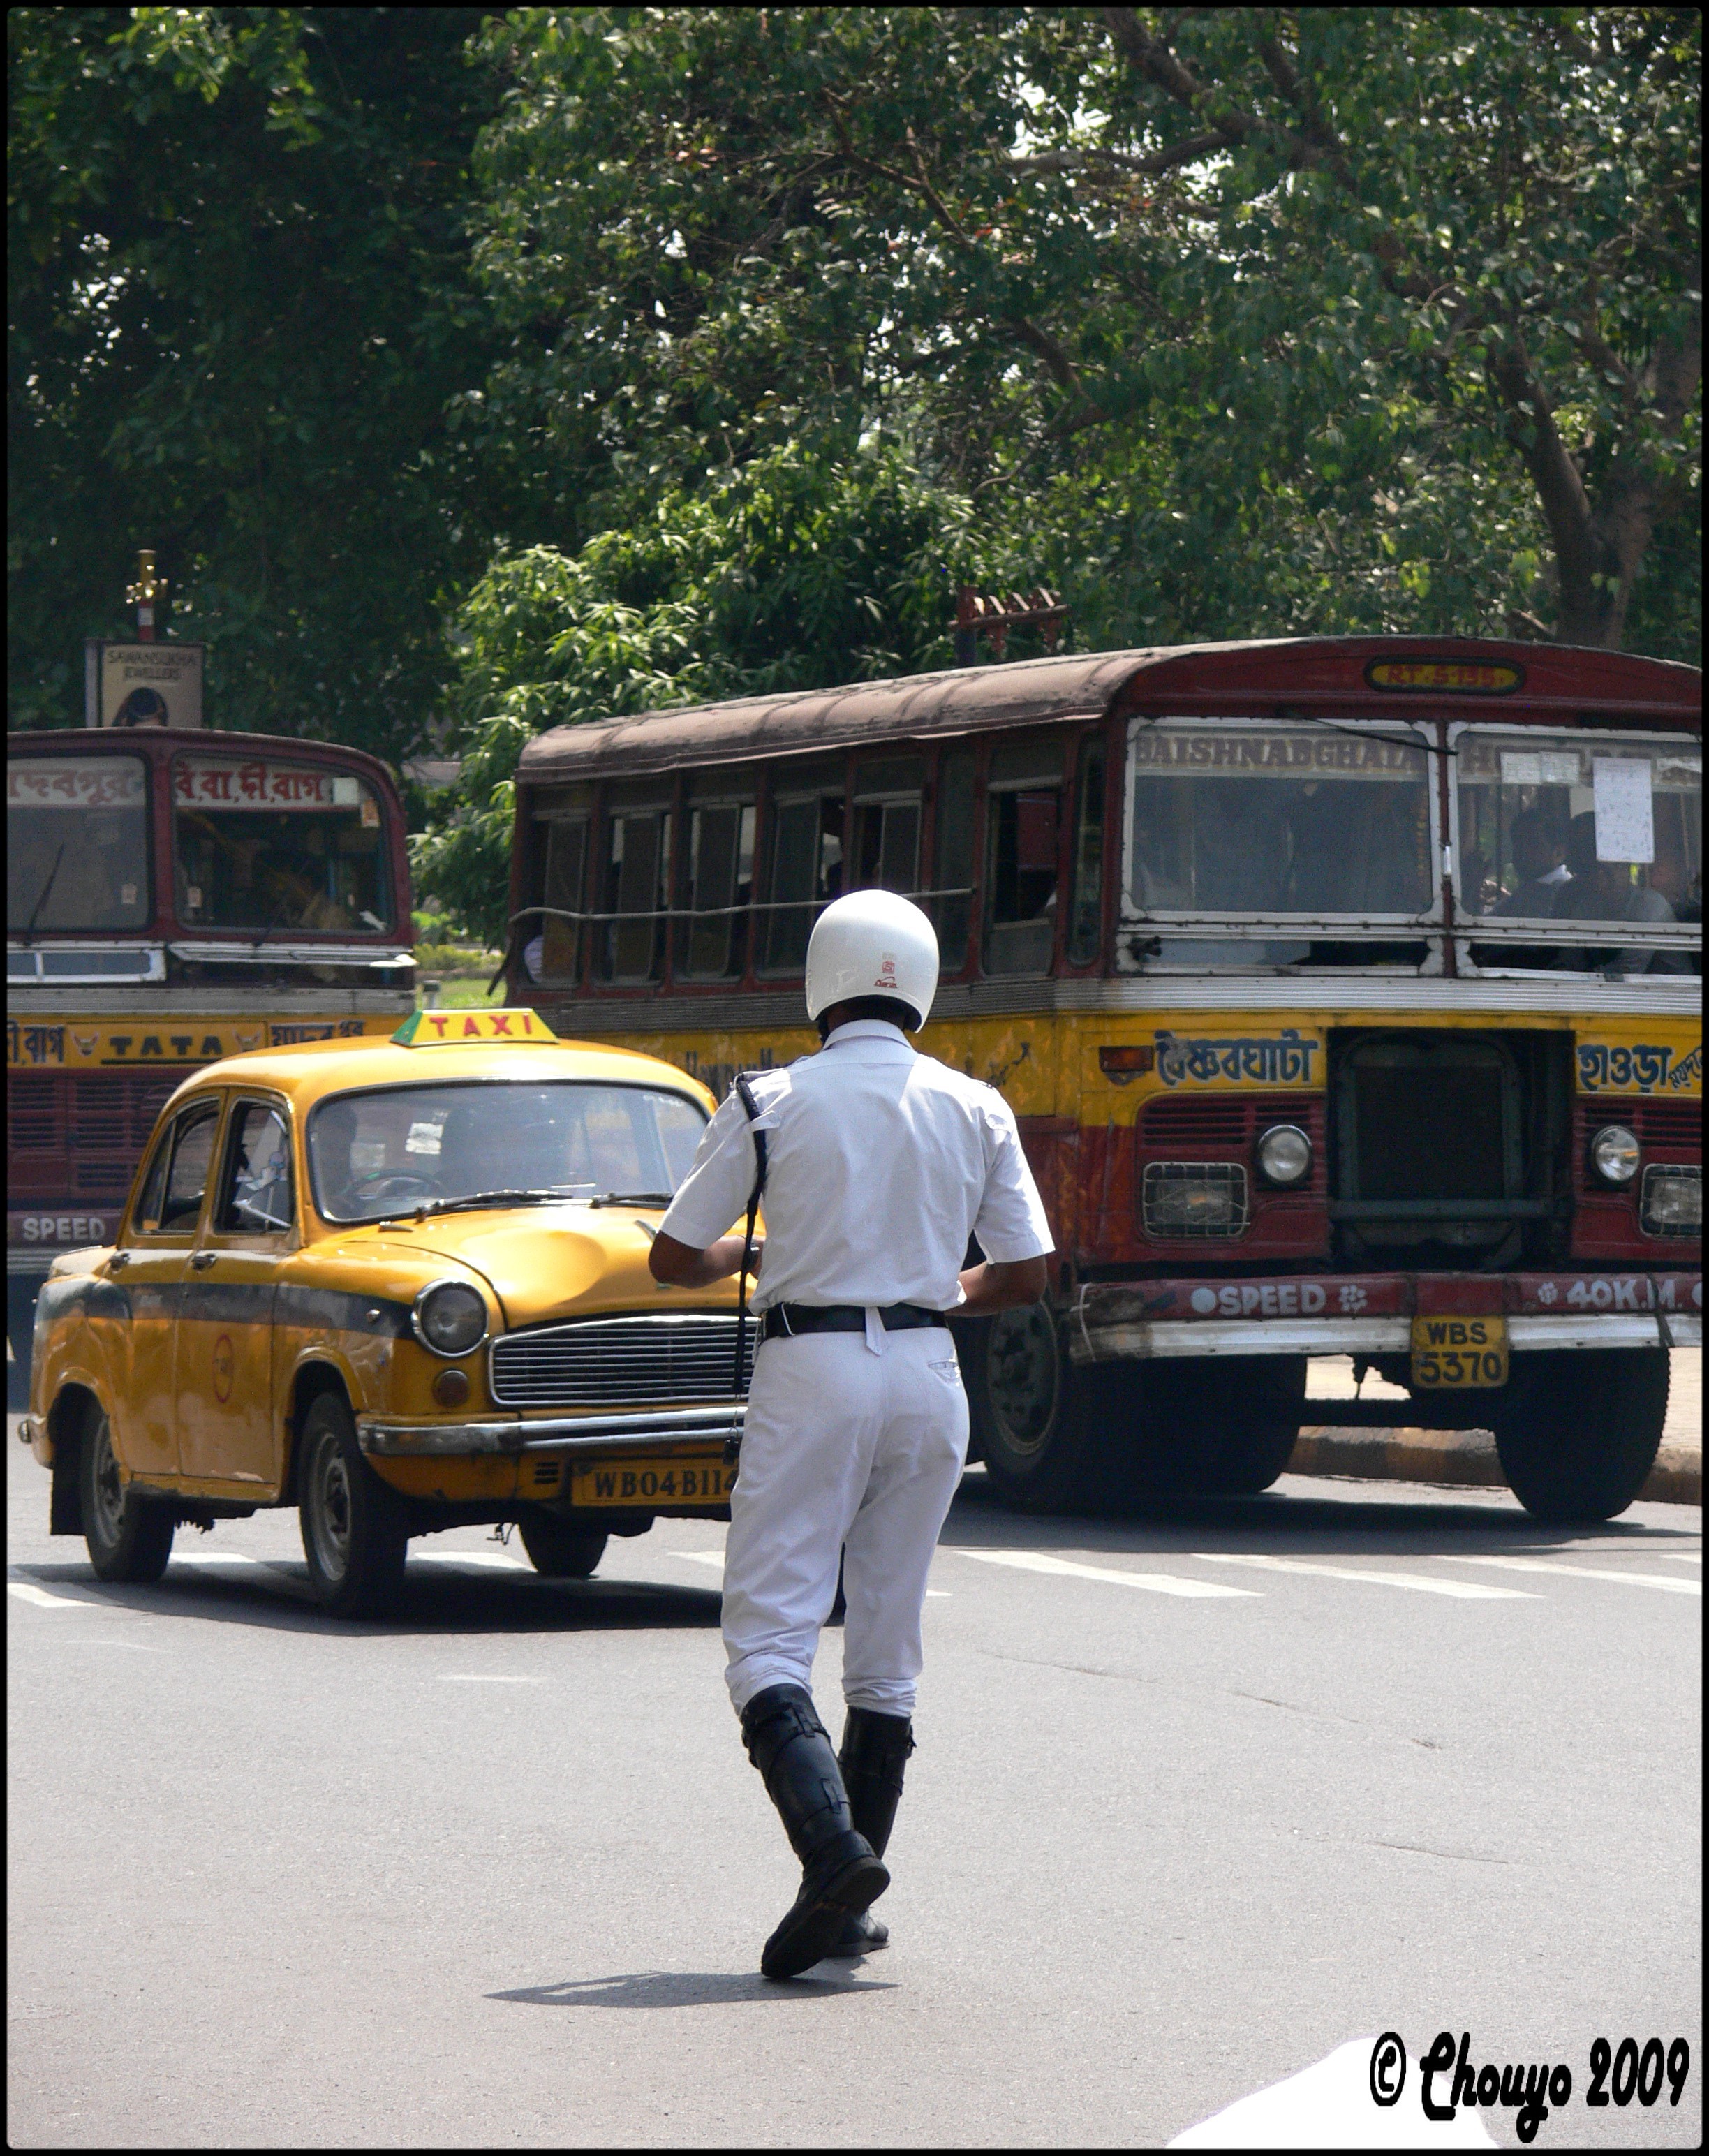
column 1577, row 1434
column 129, row 1537
column 342, row 1502
column 562, row 1549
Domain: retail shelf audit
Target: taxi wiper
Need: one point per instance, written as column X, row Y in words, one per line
column 557, row 1197
column 653, row 1199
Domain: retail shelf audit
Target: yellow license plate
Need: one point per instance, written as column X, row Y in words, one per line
column 703, row 1479
column 1458, row 1352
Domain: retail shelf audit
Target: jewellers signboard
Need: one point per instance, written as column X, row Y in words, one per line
column 142, row 685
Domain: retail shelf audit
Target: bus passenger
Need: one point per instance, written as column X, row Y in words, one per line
column 1603, row 891
column 1539, row 844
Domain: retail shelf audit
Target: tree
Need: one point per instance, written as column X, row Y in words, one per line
column 1283, row 266
column 240, row 313
column 791, row 572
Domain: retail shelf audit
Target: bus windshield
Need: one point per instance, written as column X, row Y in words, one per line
column 261, row 844
column 389, row 1150
column 76, row 844
column 1596, row 829
column 1229, row 817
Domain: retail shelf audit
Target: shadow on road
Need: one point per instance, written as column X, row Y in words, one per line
column 430, row 1602
column 657, row 1988
column 1300, row 1518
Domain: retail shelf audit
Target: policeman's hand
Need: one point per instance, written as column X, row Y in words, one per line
column 679, row 1265
column 991, row 1287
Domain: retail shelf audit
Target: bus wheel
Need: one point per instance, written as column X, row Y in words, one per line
column 561, row 1549
column 354, row 1533
column 1029, row 1411
column 129, row 1536
column 1223, row 1427
column 1578, row 1434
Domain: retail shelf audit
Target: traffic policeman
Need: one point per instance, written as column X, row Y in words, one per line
column 881, row 1162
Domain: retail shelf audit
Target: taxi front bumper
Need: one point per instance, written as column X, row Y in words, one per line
column 663, row 1427
column 1371, row 1313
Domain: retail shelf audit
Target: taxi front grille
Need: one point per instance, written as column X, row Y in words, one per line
column 618, row 1361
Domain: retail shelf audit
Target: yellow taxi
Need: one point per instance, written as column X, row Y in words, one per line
column 402, row 1286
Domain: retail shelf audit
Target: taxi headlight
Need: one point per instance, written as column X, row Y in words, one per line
column 1614, row 1153
column 450, row 1317
column 1284, row 1154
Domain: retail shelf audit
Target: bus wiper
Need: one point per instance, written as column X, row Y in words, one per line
column 36, row 910
column 653, row 1200
column 560, row 1195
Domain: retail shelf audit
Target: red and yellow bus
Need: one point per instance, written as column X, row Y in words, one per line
column 1347, row 991
column 173, row 897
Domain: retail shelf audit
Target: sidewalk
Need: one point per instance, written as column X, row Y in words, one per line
column 1468, row 1457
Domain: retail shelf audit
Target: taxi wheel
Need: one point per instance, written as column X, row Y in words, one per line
column 562, row 1549
column 354, row 1536
column 1577, row 1434
column 129, row 1536
column 1032, row 1412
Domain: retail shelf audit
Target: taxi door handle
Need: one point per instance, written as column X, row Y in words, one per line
column 200, row 1260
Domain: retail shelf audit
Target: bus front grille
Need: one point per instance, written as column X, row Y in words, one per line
column 618, row 1362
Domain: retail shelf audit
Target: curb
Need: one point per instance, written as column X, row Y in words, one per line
column 1463, row 1458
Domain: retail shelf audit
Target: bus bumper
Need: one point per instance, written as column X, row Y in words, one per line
column 1371, row 1313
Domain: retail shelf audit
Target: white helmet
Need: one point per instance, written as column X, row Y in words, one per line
column 872, row 943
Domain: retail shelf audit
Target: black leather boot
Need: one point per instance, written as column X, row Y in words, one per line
column 874, row 1759
column 839, row 1874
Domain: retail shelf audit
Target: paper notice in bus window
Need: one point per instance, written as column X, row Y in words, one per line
column 1539, row 768
column 1625, row 828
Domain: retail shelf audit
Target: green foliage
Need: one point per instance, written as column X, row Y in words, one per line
column 240, row 312
column 790, row 572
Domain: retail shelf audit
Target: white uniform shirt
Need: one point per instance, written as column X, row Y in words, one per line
column 881, row 1162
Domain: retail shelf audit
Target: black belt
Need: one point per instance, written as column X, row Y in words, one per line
column 784, row 1320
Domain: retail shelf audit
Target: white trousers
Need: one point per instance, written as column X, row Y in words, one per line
column 853, row 1449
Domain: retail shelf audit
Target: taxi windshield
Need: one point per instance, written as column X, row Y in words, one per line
column 376, row 1154
column 264, row 845
column 1228, row 817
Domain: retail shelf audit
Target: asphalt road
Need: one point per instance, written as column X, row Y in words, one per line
column 1199, row 1798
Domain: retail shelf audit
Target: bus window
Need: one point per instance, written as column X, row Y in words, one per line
column 635, row 881
column 76, row 843
column 1086, row 922
column 954, row 858
column 886, row 850
column 807, row 857
column 263, row 845
column 1236, row 819
column 1024, row 797
column 712, row 945
column 560, row 953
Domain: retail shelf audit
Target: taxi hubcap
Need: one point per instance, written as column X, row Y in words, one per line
column 331, row 1511
column 1023, row 1377
column 109, row 1490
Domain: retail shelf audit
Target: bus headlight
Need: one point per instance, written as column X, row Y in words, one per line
column 450, row 1317
column 1284, row 1154
column 1673, row 1201
column 1614, row 1153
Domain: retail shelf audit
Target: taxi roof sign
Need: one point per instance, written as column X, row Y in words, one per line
column 452, row 1029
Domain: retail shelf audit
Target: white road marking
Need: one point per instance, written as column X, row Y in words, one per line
column 26, row 1591
column 1329, row 2106
column 213, row 1557
column 1462, row 1590
column 1586, row 1572
column 1158, row 1583
column 458, row 1676
column 702, row 1557
column 470, row 1557
column 1678, row 1556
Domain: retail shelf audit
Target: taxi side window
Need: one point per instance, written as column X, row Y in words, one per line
column 178, row 1174
column 254, row 1194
